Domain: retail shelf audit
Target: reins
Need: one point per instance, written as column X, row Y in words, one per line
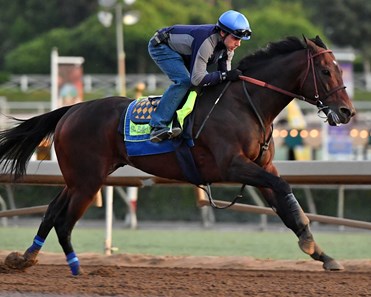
column 211, row 110
column 263, row 84
column 263, row 146
column 310, row 65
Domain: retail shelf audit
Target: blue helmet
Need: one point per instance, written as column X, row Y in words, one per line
column 235, row 23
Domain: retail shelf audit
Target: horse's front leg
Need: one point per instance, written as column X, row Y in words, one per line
column 288, row 209
column 278, row 194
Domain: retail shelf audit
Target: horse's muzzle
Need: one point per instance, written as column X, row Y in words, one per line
column 342, row 116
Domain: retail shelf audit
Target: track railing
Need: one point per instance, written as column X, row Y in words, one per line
column 295, row 172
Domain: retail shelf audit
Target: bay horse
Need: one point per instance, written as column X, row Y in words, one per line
column 233, row 145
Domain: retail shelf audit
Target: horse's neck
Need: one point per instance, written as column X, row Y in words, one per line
column 285, row 72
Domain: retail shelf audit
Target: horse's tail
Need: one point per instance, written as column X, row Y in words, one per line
column 17, row 144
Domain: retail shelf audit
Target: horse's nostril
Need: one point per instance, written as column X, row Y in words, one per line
column 347, row 112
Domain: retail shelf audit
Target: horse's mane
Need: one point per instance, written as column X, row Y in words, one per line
column 288, row 45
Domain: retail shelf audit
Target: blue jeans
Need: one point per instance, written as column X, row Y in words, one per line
column 172, row 64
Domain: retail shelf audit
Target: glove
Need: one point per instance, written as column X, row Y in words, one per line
column 233, row 74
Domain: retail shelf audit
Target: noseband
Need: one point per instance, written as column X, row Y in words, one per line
column 310, row 65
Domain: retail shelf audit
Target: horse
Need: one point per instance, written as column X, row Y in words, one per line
column 233, row 144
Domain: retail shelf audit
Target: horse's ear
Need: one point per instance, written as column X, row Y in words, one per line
column 319, row 42
column 305, row 41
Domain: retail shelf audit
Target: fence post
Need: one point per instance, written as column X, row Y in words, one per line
column 24, row 83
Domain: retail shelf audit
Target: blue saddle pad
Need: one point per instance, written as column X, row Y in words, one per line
column 134, row 125
column 137, row 135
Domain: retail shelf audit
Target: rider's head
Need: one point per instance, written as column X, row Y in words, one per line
column 234, row 23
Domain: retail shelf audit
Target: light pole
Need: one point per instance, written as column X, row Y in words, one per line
column 129, row 18
column 120, row 51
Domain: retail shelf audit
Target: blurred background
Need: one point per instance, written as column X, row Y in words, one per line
column 107, row 43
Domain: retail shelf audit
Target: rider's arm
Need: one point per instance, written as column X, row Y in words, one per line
column 225, row 62
column 199, row 74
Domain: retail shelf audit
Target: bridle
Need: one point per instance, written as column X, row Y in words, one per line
column 317, row 101
column 310, row 67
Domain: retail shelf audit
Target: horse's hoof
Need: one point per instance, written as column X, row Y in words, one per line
column 307, row 246
column 332, row 265
column 17, row 261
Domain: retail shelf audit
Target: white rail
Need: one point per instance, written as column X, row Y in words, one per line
column 295, row 172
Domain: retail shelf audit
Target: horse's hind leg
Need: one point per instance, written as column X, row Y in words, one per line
column 62, row 214
column 78, row 202
column 18, row 261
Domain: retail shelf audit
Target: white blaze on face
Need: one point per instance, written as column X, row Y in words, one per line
column 336, row 64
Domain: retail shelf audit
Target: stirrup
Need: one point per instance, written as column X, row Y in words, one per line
column 160, row 134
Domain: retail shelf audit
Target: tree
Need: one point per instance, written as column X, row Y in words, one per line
column 346, row 23
column 268, row 25
column 97, row 44
column 22, row 21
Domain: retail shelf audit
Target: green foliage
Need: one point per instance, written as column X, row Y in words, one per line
column 268, row 25
column 22, row 21
column 4, row 77
column 97, row 44
column 34, row 56
column 18, row 95
column 346, row 23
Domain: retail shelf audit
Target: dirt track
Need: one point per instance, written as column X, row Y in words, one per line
column 137, row 275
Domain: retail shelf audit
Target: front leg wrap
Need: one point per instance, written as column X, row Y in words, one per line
column 291, row 213
column 293, row 217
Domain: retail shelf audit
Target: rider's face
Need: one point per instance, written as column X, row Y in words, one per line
column 231, row 42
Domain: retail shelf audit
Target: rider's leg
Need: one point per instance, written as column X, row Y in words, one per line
column 172, row 64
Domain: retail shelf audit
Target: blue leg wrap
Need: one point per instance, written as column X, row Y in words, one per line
column 37, row 244
column 74, row 263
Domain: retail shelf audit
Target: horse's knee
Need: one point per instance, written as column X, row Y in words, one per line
column 281, row 187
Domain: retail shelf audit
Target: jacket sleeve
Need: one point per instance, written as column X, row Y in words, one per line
column 225, row 62
column 199, row 74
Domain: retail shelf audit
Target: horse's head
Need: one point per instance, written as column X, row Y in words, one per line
column 322, row 83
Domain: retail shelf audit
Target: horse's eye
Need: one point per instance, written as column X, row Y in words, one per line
column 326, row 72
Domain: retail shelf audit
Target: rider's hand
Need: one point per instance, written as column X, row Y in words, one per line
column 233, row 74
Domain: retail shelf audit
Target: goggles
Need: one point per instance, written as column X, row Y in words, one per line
column 241, row 33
